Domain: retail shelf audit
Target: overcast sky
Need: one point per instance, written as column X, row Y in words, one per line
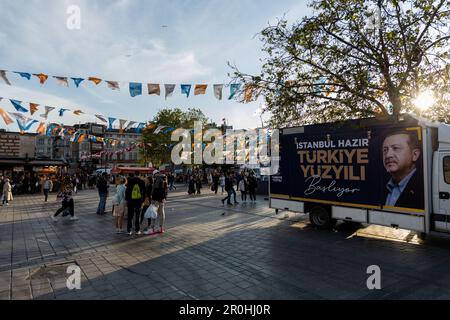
column 148, row 41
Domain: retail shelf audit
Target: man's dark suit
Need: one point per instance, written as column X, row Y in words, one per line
column 413, row 194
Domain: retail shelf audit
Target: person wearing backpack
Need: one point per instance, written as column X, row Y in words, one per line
column 159, row 197
column 102, row 186
column 134, row 195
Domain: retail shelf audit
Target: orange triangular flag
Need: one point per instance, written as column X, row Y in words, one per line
column 41, row 128
column 248, row 93
column 33, row 108
column 78, row 112
column 200, row 89
column 5, row 117
column 42, row 77
column 81, row 138
column 95, row 80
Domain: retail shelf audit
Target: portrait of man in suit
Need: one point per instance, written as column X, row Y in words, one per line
column 401, row 159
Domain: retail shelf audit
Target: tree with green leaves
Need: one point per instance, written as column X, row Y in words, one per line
column 353, row 59
column 157, row 146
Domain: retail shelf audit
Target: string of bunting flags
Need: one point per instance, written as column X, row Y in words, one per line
column 135, row 88
column 25, row 122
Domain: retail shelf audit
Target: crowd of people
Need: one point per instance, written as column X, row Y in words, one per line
column 141, row 199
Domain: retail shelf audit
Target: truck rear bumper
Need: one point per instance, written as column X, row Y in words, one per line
column 403, row 220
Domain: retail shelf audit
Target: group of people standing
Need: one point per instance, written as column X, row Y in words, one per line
column 133, row 197
column 246, row 183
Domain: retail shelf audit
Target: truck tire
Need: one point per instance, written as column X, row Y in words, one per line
column 321, row 218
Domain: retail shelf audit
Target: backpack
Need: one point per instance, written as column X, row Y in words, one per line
column 136, row 193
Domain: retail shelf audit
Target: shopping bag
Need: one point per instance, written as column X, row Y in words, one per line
column 151, row 212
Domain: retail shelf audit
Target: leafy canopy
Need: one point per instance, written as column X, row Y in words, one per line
column 355, row 58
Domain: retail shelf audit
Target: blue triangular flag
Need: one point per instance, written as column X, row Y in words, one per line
column 23, row 126
column 234, row 88
column 29, row 124
column 140, row 127
column 77, row 81
column 186, row 89
column 18, row 106
column 24, row 74
column 135, row 89
column 61, row 111
column 50, row 129
column 111, row 121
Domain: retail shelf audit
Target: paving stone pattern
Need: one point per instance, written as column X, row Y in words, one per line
column 210, row 251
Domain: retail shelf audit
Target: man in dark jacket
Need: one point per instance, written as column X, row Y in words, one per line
column 102, row 186
column 134, row 195
column 159, row 197
column 229, row 182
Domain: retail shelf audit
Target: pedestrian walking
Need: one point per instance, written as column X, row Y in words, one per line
column 102, row 186
column 134, row 194
column 252, row 185
column 67, row 203
column 7, row 192
column 242, row 187
column 198, row 183
column 229, row 188
column 171, row 181
column 222, row 181
column 147, row 201
column 47, row 187
column 191, row 185
column 75, row 184
column 120, row 204
column 2, row 183
column 159, row 196
column 215, row 179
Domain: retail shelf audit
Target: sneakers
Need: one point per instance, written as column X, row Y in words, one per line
column 74, row 218
column 130, row 233
column 139, row 232
column 54, row 219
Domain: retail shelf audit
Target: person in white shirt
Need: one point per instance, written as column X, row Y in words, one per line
column 47, row 187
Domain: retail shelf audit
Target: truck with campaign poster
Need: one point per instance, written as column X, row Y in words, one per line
column 376, row 171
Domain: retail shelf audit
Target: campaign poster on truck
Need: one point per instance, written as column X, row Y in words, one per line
column 373, row 167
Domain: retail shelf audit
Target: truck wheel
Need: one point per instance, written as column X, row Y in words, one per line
column 321, row 218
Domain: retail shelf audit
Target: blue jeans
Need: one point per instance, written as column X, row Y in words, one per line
column 102, row 203
column 46, row 194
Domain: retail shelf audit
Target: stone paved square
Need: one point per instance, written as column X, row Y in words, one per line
column 210, row 252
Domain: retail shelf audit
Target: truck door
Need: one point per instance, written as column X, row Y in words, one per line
column 444, row 186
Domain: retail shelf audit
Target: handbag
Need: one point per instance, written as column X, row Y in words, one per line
column 151, row 212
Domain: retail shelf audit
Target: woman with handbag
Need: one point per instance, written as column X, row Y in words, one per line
column 147, row 201
column 159, row 196
column 119, row 204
